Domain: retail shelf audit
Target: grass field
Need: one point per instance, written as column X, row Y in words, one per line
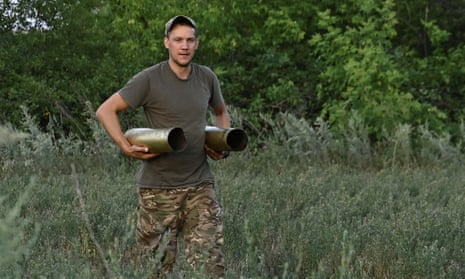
column 295, row 208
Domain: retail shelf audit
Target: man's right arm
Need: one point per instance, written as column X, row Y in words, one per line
column 107, row 114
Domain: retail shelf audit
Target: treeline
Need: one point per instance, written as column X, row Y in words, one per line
column 385, row 62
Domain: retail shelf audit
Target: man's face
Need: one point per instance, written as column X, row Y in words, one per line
column 181, row 44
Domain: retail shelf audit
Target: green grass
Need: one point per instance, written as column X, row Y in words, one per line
column 290, row 212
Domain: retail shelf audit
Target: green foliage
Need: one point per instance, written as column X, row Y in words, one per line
column 274, row 75
column 435, row 80
column 419, row 18
column 54, row 68
column 15, row 241
column 9, row 135
column 314, row 82
column 360, row 74
column 389, row 62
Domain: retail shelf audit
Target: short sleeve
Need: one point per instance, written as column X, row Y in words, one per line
column 136, row 90
column 217, row 95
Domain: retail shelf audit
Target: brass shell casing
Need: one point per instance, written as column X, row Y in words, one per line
column 157, row 140
column 226, row 139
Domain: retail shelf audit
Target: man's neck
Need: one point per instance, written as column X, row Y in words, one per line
column 182, row 72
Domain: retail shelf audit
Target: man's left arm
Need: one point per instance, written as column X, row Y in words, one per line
column 222, row 120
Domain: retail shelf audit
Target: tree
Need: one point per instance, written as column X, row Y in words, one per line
column 389, row 63
column 361, row 73
column 51, row 54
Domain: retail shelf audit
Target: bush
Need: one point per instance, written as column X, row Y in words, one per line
column 15, row 241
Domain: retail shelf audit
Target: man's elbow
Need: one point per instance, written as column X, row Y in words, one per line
column 99, row 114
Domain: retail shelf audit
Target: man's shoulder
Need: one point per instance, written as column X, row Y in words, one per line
column 157, row 67
column 204, row 70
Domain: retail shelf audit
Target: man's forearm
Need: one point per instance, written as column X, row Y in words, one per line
column 111, row 124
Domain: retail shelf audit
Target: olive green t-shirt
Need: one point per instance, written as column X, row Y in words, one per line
column 171, row 102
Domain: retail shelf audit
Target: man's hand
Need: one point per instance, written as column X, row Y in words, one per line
column 140, row 152
column 216, row 155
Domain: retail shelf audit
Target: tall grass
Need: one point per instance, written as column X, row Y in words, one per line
column 307, row 204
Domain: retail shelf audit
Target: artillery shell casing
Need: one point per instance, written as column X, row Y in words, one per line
column 157, row 140
column 226, row 139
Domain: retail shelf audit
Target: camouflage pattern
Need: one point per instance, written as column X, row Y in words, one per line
column 193, row 213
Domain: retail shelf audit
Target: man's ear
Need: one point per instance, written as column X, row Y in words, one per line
column 166, row 42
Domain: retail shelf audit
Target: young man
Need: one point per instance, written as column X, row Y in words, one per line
column 175, row 190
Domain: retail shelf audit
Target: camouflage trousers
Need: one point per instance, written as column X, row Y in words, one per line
column 194, row 214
